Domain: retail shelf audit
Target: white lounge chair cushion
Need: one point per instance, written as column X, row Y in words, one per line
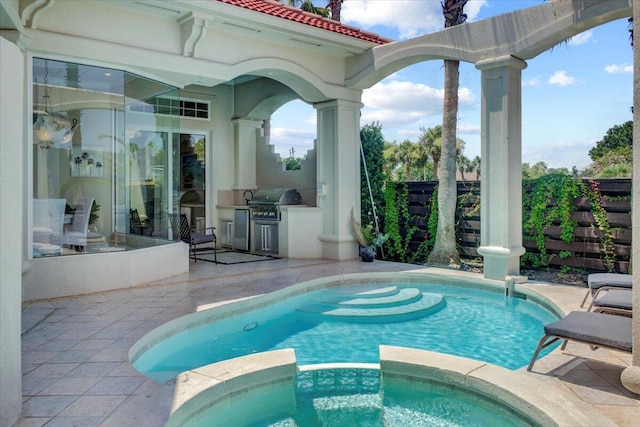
column 606, row 330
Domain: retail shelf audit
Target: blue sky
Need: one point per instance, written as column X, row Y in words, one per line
column 571, row 95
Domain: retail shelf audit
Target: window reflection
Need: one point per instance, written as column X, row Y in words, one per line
column 89, row 178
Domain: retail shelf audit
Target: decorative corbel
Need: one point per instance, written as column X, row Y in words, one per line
column 193, row 30
column 32, row 12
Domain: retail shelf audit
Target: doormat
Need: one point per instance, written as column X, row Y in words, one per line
column 230, row 257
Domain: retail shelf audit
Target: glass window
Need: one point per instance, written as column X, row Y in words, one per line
column 102, row 172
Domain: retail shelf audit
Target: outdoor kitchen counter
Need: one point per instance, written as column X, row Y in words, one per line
column 298, row 229
column 300, row 226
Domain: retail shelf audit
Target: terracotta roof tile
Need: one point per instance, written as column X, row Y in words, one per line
column 275, row 8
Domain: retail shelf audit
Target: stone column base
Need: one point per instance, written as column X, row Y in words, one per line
column 501, row 262
column 631, row 378
column 338, row 248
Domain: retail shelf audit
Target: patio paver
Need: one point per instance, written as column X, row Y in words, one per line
column 75, row 350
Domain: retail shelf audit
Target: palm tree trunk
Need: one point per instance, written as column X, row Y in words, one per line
column 444, row 249
column 335, row 7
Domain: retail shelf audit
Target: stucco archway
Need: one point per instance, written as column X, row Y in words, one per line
column 523, row 34
column 498, row 47
column 268, row 84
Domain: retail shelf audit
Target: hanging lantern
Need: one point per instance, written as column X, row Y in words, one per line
column 49, row 130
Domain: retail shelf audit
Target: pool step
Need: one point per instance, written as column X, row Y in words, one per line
column 399, row 296
column 361, row 291
column 340, row 410
column 405, row 306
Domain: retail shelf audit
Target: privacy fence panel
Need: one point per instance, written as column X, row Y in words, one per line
column 586, row 251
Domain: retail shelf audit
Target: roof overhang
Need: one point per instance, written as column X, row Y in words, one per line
column 237, row 20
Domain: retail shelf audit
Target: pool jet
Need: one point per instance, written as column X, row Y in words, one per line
column 510, row 285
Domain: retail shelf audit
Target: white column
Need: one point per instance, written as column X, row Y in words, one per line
column 338, row 175
column 13, row 144
column 245, row 136
column 501, row 167
column 631, row 375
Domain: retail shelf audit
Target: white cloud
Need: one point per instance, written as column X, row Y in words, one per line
column 405, row 96
column 561, row 78
column 312, row 119
column 411, row 135
column 565, row 154
column 619, row 68
column 469, row 129
column 284, row 139
column 409, row 18
column 403, row 107
column 532, row 82
column 581, row 38
column 472, row 9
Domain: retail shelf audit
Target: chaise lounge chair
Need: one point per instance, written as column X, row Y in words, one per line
column 600, row 282
column 614, row 301
column 595, row 329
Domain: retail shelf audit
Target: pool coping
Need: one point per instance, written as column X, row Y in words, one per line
column 545, row 403
column 213, row 386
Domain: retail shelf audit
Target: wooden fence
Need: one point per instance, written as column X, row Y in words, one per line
column 585, row 252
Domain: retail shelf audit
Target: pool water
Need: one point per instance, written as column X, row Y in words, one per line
column 473, row 323
column 353, row 397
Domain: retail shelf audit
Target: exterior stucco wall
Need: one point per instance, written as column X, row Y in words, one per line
column 271, row 173
column 11, row 218
column 52, row 277
column 158, row 47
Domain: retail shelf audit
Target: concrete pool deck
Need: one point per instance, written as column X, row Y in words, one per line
column 75, row 350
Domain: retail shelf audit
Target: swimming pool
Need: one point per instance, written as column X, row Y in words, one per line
column 340, row 320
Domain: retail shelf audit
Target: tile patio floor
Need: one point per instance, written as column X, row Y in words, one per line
column 75, row 350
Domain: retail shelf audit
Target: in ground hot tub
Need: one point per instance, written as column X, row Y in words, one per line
column 408, row 388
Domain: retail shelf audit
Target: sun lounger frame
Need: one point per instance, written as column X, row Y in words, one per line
column 600, row 282
column 572, row 335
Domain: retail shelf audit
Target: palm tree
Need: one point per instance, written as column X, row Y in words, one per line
column 390, row 158
column 422, row 161
column 307, row 6
column 475, row 166
column 431, row 140
column 335, row 6
column 463, row 163
column 444, row 249
column 406, row 155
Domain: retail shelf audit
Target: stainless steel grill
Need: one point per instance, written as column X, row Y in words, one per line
column 265, row 215
column 265, row 203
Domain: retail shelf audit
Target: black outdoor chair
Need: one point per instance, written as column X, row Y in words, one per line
column 194, row 237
